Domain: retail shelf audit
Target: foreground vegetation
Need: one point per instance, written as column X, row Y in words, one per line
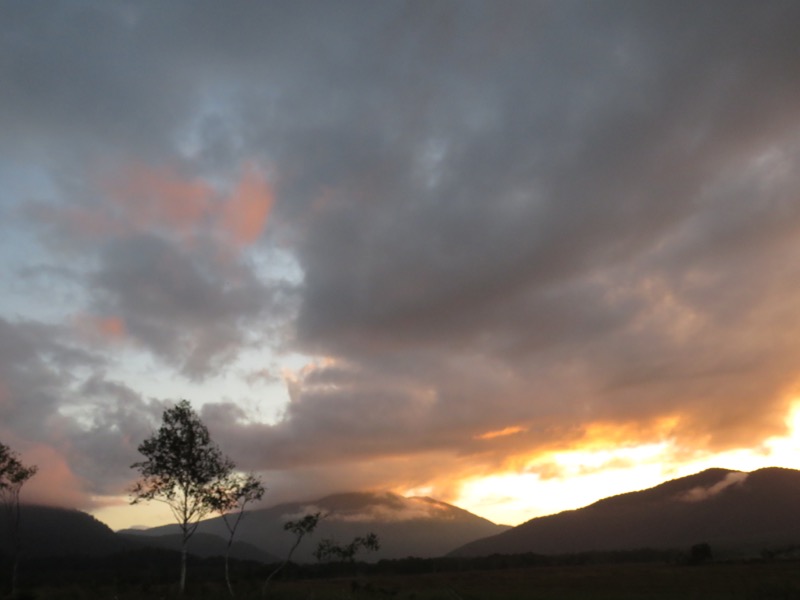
column 149, row 575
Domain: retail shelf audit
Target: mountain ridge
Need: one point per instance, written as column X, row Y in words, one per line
column 416, row 526
column 739, row 512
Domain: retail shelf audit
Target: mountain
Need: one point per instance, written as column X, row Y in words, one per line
column 420, row 527
column 47, row 531
column 202, row 545
column 737, row 513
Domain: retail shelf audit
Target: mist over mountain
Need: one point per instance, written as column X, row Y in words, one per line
column 737, row 513
column 420, row 527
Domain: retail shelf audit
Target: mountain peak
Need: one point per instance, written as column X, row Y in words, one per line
column 674, row 487
column 384, row 506
column 413, row 526
column 731, row 509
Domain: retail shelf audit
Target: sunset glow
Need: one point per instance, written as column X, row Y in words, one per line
column 514, row 256
column 577, row 478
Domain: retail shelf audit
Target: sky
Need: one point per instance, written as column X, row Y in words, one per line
column 517, row 256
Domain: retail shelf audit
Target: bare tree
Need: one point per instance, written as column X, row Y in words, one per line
column 300, row 529
column 229, row 499
column 183, row 468
column 330, row 550
column 13, row 475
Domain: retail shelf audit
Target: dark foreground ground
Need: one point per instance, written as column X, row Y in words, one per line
column 767, row 580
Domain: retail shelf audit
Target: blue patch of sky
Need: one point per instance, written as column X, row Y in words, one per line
column 33, row 286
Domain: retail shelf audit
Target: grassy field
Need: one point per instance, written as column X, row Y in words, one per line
column 778, row 580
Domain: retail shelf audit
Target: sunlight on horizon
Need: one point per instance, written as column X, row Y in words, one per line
column 583, row 477
column 118, row 513
column 577, row 478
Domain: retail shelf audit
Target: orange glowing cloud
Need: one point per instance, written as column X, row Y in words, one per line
column 490, row 435
column 600, row 435
column 160, row 196
column 142, row 198
column 245, row 211
column 107, row 328
column 113, row 326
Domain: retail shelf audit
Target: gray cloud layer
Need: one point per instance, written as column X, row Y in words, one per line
column 523, row 214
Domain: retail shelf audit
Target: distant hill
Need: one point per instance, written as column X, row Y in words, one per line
column 737, row 513
column 202, row 545
column 420, row 527
column 49, row 532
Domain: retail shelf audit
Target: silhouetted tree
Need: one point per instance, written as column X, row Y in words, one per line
column 183, row 468
column 300, row 529
column 700, row 553
column 230, row 498
column 330, row 550
column 13, row 475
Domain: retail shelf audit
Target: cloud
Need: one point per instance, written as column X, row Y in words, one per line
column 511, row 430
column 109, row 421
column 699, row 494
column 137, row 198
column 410, row 509
column 385, row 507
column 568, row 222
column 246, row 210
column 59, row 411
column 101, row 328
column 143, row 198
column 35, row 367
column 170, row 271
column 190, row 312
column 55, row 484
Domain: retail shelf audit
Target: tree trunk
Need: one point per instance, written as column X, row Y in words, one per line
column 14, row 570
column 16, row 540
column 227, row 567
column 183, row 567
column 280, row 566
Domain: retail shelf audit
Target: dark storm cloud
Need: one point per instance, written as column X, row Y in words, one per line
column 119, row 419
column 24, row 374
column 183, row 309
column 605, row 226
column 58, row 410
column 533, row 215
column 586, row 158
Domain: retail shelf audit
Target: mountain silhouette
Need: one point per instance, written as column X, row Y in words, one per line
column 737, row 513
column 48, row 532
column 202, row 545
column 420, row 527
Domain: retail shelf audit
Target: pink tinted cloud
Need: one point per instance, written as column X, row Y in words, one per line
column 245, row 211
column 149, row 197
column 55, row 484
column 143, row 198
column 103, row 328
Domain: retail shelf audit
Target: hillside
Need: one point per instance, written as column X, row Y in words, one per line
column 737, row 513
column 201, row 545
column 420, row 527
column 47, row 531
